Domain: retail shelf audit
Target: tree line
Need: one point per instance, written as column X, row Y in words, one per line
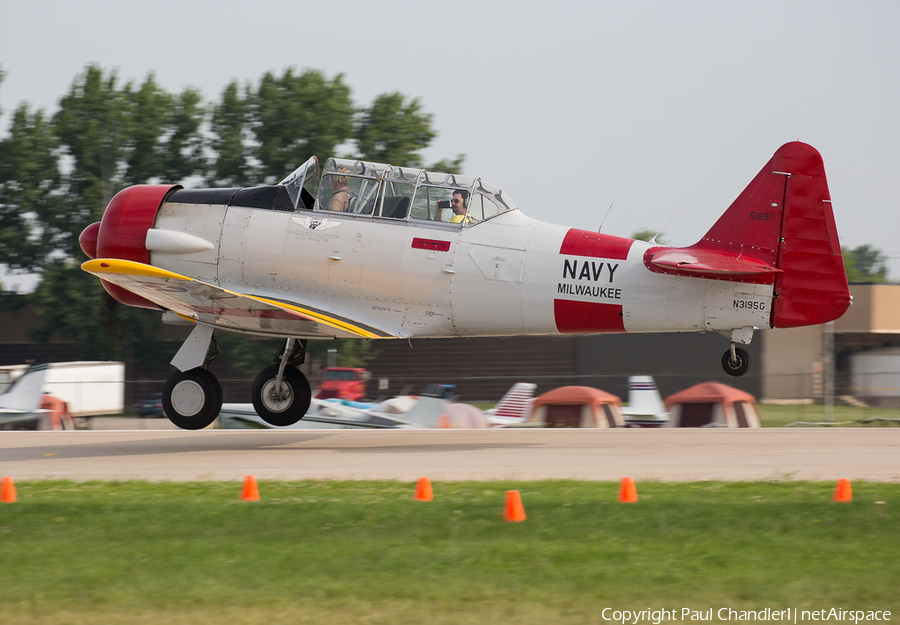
column 59, row 171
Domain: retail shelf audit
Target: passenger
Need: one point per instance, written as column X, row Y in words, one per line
column 340, row 200
column 458, row 204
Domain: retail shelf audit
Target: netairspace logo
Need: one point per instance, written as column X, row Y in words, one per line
column 789, row 615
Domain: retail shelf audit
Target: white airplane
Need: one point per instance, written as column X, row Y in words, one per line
column 427, row 410
column 20, row 405
column 645, row 405
column 422, row 411
column 390, row 262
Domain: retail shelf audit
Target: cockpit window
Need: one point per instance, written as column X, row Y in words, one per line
column 404, row 193
column 303, row 185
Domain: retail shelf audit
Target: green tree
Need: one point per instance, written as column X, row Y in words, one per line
column 250, row 355
column 349, row 352
column 231, row 165
column 865, row 264
column 145, row 113
column 647, row 235
column 298, row 116
column 116, row 137
column 246, row 355
column 92, row 125
column 394, row 131
column 29, row 191
column 183, row 149
column 163, row 138
column 449, row 165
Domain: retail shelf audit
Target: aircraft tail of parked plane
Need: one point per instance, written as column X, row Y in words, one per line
column 282, row 261
column 645, row 405
column 22, row 401
column 514, row 406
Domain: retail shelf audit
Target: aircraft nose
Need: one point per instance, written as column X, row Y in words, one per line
column 88, row 240
column 122, row 233
column 128, row 216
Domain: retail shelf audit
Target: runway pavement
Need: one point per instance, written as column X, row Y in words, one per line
column 505, row 454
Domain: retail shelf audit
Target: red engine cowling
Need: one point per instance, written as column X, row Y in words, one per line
column 122, row 232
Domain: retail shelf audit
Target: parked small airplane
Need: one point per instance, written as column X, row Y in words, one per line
column 424, row 411
column 428, row 410
column 645, row 405
column 370, row 250
column 20, row 405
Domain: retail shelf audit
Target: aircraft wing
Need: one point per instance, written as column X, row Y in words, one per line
column 215, row 306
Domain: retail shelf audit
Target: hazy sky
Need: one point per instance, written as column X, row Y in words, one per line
column 567, row 106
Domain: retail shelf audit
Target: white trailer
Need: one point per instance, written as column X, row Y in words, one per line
column 90, row 388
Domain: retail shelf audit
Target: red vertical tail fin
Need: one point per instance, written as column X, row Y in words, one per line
column 812, row 287
column 780, row 231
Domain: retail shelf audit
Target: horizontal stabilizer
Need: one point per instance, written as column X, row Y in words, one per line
column 710, row 262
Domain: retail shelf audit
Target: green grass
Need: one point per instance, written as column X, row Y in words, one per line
column 367, row 552
column 775, row 415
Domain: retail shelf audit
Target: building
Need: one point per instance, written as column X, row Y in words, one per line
column 866, row 353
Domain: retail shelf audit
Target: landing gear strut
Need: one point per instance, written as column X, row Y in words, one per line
column 281, row 393
column 736, row 361
column 192, row 397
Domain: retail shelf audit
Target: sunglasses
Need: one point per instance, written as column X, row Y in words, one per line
column 454, row 201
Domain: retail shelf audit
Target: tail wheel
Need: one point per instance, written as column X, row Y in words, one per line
column 192, row 399
column 281, row 406
column 738, row 365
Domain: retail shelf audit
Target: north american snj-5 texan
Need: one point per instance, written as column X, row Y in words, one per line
column 369, row 250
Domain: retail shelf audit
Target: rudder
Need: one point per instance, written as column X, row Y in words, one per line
column 784, row 219
column 812, row 287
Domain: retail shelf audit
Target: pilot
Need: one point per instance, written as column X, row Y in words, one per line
column 340, row 200
column 458, row 204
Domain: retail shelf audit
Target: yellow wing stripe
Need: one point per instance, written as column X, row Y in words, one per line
column 130, row 268
column 335, row 323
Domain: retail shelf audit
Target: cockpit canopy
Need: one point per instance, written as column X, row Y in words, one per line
column 401, row 193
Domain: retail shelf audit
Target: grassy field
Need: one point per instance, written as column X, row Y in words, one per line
column 367, row 552
column 774, row 415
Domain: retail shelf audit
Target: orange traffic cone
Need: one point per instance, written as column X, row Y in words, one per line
column 627, row 491
column 9, row 491
column 513, row 512
column 251, row 490
column 423, row 489
column 843, row 492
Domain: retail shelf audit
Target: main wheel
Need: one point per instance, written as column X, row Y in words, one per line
column 739, row 366
column 287, row 406
column 192, row 399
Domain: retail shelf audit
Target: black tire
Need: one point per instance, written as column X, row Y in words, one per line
column 288, row 410
column 192, row 399
column 739, row 367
